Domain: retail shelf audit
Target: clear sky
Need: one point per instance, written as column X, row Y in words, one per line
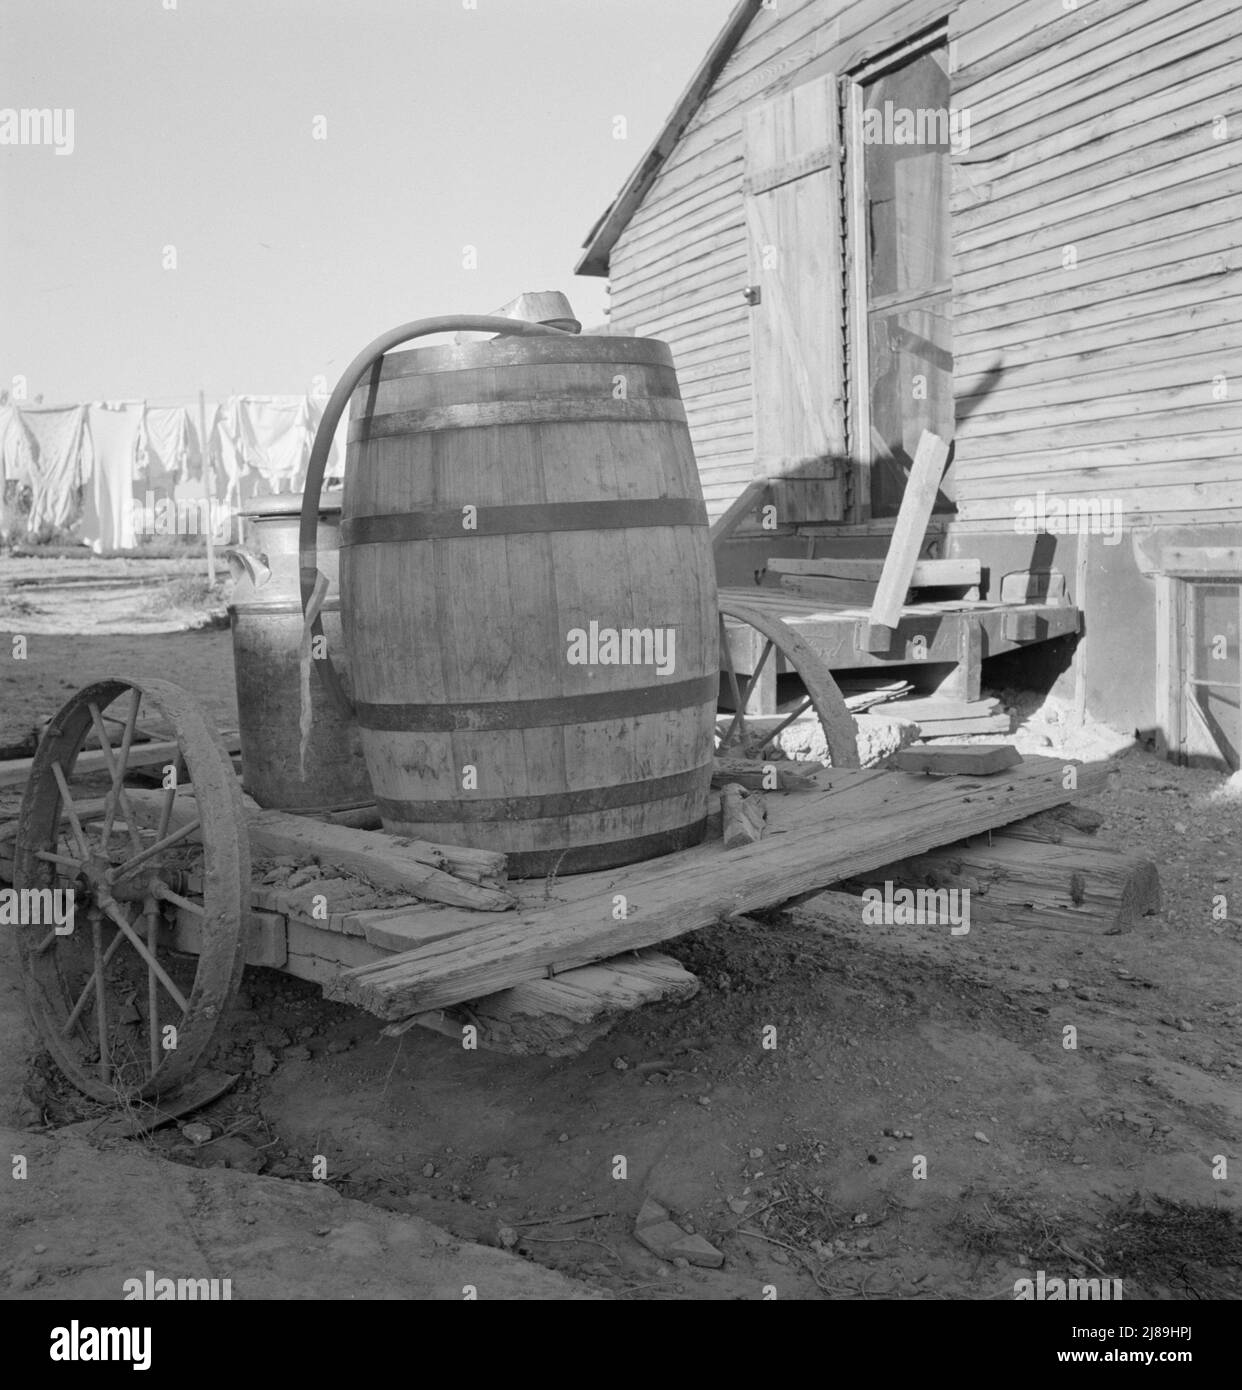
column 449, row 123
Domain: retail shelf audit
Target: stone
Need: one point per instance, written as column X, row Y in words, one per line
column 299, row 1052
column 981, row 1137
column 196, row 1133
column 650, row 1214
column 659, row 1237
column 698, row 1251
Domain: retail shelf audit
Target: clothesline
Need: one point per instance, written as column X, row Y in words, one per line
column 101, row 469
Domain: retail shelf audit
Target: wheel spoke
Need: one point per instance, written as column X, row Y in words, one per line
column 85, row 997
column 123, row 870
column 116, row 796
column 118, row 776
column 101, row 1003
column 753, row 679
column 71, row 811
column 787, row 721
column 109, row 905
column 170, row 796
column 152, row 910
column 738, row 705
column 58, row 858
column 162, row 891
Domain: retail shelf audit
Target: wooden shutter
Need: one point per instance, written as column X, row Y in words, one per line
column 793, row 225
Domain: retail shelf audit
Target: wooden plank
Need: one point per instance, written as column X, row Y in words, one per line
column 952, row 728
column 384, row 860
column 869, row 818
column 15, row 772
column 1082, row 569
column 1198, row 561
column 927, row 574
column 917, row 502
column 565, row 1016
column 1014, row 881
column 1170, row 731
column 859, row 592
column 969, row 759
column 772, row 775
column 919, row 708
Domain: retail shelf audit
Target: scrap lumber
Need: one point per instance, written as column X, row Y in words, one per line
column 773, row 775
column 927, row 574
column 951, row 728
column 15, row 772
column 744, row 818
column 1014, row 881
column 970, row 759
column 386, row 861
column 277, row 832
column 565, row 1016
column 868, row 818
column 917, row 502
column 939, row 708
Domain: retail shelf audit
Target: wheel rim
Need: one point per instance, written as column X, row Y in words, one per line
column 823, row 695
column 124, row 1014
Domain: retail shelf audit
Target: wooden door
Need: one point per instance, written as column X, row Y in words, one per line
column 794, row 233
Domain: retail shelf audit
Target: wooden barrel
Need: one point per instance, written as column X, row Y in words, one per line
column 266, row 617
column 529, row 600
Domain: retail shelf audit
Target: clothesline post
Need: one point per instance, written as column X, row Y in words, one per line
column 209, row 483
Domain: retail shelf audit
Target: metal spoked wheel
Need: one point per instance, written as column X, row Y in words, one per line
column 126, row 1014
column 822, row 692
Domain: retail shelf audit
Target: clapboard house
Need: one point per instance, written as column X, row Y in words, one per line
column 1012, row 223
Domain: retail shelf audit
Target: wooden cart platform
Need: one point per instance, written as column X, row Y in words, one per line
column 196, row 881
column 554, row 970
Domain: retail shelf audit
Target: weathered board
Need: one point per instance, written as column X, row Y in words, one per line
column 865, row 820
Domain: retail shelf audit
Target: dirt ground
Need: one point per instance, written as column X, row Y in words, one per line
column 799, row 1161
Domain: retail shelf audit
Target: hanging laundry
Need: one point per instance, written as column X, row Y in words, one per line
column 11, row 454
column 168, row 446
column 11, row 445
column 278, row 437
column 335, row 467
column 108, row 508
column 50, row 459
column 228, row 450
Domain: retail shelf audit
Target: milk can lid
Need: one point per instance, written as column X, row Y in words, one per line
column 289, row 504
